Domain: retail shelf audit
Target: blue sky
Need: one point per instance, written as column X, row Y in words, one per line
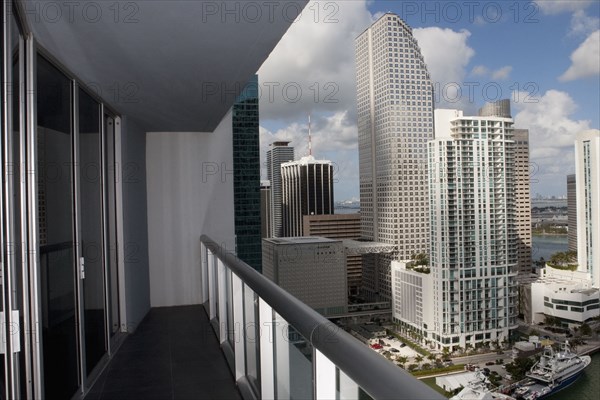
column 544, row 55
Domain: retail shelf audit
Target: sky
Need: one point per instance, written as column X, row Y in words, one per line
column 544, row 55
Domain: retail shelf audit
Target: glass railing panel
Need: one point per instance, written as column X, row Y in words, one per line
column 347, row 389
column 293, row 360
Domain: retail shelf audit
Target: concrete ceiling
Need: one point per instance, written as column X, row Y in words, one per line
column 170, row 65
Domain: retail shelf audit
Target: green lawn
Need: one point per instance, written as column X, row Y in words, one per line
column 431, row 383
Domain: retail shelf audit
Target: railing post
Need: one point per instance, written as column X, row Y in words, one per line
column 267, row 368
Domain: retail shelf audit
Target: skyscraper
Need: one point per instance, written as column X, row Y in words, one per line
column 279, row 153
column 473, row 265
column 522, row 171
column 587, row 170
column 246, row 176
column 395, row 121
column 307, row 189
column 572, row 211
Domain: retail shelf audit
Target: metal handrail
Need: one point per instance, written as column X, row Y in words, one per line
column 375, row 375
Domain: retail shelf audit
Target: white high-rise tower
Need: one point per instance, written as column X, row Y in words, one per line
column 474, row 247
column 587, row 164
column 395, row 121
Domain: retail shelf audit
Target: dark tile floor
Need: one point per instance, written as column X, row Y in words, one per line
column 173, row 354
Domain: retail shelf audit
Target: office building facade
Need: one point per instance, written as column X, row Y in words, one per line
column 339, row 226
column 306, row 189
column 246, row 176
column 587, row 171
column 279, row 153
column 522, row 176
column 395, row 122
column 310, row 268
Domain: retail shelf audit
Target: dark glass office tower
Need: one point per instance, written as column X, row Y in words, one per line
column 246, row 176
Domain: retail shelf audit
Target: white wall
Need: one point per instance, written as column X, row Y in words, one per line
column 190, row 193
column 442, row 118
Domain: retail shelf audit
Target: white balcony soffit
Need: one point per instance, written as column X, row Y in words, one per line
column 170, row 65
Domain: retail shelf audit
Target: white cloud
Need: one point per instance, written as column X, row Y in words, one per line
column 552, row 7
column 502, row 73
column 585, row 60
column 480, row 70
column 447, row 55
column 498, row 74
column 317, row 57
column 329, row 133
column 552, row 133
column 583, row 24
column 334, row 137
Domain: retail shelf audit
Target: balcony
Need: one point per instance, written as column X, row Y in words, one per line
column 249, row 339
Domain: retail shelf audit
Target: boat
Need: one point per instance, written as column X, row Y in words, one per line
column 554, row 372
column 477, row 390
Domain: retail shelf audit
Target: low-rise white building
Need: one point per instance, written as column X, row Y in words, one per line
column 411, row 293
column 567, row 295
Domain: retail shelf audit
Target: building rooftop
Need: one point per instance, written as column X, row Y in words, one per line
column 356, row 247
column 305, row 161
column 301, row 240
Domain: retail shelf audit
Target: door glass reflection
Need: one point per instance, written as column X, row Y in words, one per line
column 91, row 241
column 55, row 213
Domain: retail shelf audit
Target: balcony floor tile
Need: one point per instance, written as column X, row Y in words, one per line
column 172, row 355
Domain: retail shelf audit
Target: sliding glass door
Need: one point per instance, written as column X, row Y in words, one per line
column 56, row 226
column 59, row 229
column 13, row 328
column 90, row 232
column 77, row 228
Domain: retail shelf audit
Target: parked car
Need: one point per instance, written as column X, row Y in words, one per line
column 393, row 350
column 402, row 344
column 490, row 363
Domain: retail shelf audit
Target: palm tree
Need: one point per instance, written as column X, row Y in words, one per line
column 445, row 352
column 431, row 357
column 419, row 359
column 402, row 360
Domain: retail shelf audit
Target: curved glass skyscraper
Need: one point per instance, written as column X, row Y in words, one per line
column 395, row 121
